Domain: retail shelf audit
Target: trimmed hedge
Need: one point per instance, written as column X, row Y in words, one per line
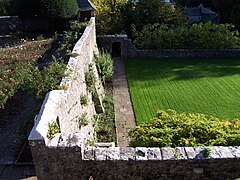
column 173, row 129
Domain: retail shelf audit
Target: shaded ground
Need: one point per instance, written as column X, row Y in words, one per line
column 18, row 110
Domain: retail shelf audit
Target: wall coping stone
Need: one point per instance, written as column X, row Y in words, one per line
column 159, row 154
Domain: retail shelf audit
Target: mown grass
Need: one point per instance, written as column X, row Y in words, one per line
column 208, row 86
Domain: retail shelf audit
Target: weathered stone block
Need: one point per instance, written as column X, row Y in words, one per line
column 235, row 150
column 113, row 153
column 89, row 153
column 141, row 153
column 168, row 153
column 127, row 153
column 221, row 152
column 180, row 153
column 191, row 154
column 154, row 154
column 101, row 154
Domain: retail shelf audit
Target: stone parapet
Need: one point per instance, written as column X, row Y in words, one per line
column 160, row 154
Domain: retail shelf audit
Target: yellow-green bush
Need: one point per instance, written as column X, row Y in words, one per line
column 173, row 129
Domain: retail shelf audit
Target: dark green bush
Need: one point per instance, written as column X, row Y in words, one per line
column 28, row 77
column 104, row 65
column 56, row 9
column 175, row 130
column 7, row 7
column 105, row 122
column 71, row 36
column 197, row 36
column 28, row 8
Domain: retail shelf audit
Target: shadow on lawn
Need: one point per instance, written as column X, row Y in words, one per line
column 183, row 69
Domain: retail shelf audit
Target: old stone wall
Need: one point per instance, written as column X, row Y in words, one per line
column 137, row 163
column 128, row 50
column 64, row 106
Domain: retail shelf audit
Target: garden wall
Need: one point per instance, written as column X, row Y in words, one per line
column 128, row 50
column 69, row 155
column 135, row 163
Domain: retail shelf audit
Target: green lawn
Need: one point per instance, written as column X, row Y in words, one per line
column 208, row 86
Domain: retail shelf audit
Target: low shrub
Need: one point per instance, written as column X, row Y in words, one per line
column 40, row 82
column 104, row 65
column 197, row 36
column 105, row 122
column 84, row 100
column 71, row 36
column 173, row 129
column 83, row 120
column 90, row 79
column 53, row 129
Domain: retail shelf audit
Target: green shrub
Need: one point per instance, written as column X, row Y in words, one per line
column 40, row 82
column 70, row 37
column 7, row 7
column 56, row 9
column 90, row 79
column 197, row 36
column 105, row 122
column 28, row 8
column 53, row 129
column 104, row 65
column 175, row 130
column 84, row 100
column 82, row 120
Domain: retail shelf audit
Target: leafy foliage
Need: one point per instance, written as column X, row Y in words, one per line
column 7, row 7
column 59, row 8
column 104, row 64
column 43, row 81
column 197, row 36
column 83, row 120
column 28, row 8
column 138, row 14
column 71, row 36
column 53, row 129
column 109, row 19
column 16, row 65
column 90, row 79
column 105, row 122
column 84, row 100
column 169, row 128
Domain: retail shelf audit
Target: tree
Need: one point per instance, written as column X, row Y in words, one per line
column 28, row 8
column 59, row 9
column 144, row 12
column 48, row 9
column 109, row 19
column 7, row 7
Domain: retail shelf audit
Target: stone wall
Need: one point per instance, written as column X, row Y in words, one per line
column 136, row 163
column 9, row 24
column 64, row 106
column 128, row 50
